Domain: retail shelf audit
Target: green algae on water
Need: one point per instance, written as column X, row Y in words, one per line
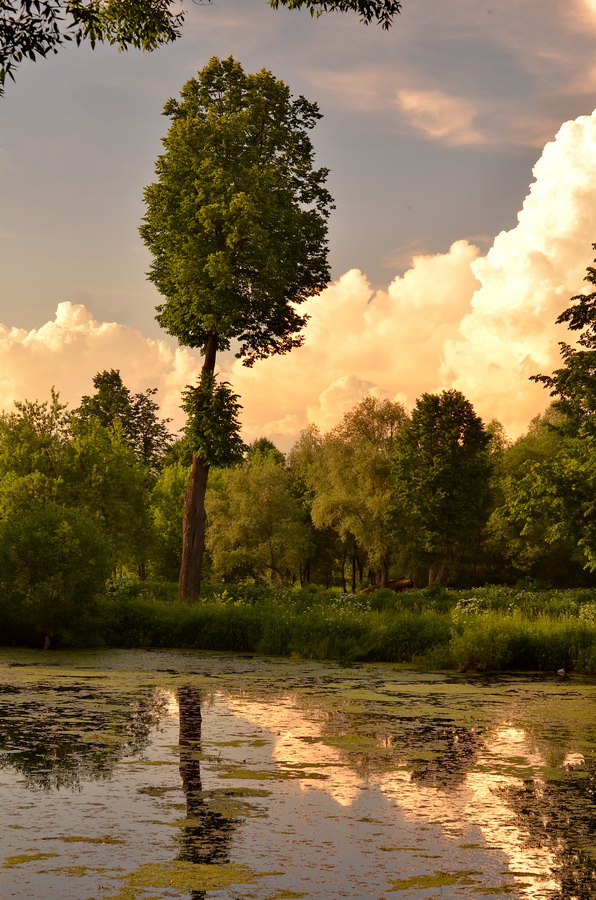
column 11, row 861
column 185, row 876
column 438, row 880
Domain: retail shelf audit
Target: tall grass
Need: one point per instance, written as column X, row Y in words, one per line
column 489, row 629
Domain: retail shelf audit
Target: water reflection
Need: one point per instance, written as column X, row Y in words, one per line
column 460, row 778
column 507, row 789
column 58, row 735
column 206, row 837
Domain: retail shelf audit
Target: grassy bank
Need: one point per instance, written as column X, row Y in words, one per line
column 488, row 629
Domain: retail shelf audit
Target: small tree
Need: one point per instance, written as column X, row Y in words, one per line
column 142, row 429
column 237, row 225
column 53, row 563
column 441, row 472
column 256, row 526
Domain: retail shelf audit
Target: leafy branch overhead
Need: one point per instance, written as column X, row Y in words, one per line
column 33, row 28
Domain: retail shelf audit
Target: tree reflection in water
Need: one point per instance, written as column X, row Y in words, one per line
column 57, row 736
column 206, row 837
column 456, row 750
column 560, row 813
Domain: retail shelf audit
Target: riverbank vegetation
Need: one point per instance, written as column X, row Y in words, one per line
column 489, row 629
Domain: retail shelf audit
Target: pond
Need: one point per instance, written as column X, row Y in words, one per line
column 132, row 775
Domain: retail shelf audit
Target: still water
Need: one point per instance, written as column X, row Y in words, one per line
column 147, row 775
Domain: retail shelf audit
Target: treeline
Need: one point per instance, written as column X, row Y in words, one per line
column 91, row 504
column 94, row 495
column 433, row 496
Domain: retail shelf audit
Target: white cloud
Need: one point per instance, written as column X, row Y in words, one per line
column 358, row 342
column 69, row 350
column 527, row 278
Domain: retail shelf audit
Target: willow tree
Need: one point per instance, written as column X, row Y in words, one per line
column 237, row 225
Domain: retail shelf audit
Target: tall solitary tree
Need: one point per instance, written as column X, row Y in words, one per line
column 237, row 225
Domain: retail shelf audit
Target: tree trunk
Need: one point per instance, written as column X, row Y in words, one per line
column 193, row 531
column 437, row 569
column 353, row 573
column 343, row 572
column 195, row 520
column 384, row 571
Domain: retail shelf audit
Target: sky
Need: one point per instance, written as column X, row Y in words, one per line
column 461, row 148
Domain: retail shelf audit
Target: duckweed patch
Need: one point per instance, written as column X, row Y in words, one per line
column 244, row 774
column 287, row 895
column 20, row 859
column 77, row 839
column 438, row 880
column 186, row 876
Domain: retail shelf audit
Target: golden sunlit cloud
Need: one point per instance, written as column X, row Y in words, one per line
column 68, row 351
column 527, row 278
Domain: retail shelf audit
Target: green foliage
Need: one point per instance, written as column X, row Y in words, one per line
column 516, row 541
column 261, row 451
column 441, row 471
column 408, row 635
column 53, row 563
column 136, row 414
column 92, row 470
column 368, row 10
column 255, row 526
column 557, row 495
column 33, row 438
column 31, row 28
column 103, row 476
column 236, row 222
column 167, row 506
column 348, row 473
column 212, row 427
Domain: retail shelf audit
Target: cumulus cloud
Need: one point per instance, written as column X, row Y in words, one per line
column 480, row 323
column 441, row 116
column 526, row 280
column 68, row 351
column 360, row 342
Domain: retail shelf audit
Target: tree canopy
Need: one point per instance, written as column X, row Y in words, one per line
column 137, row 414
column 350, row 479
column 441, row 473
column 32, row 28
column 237, row 221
